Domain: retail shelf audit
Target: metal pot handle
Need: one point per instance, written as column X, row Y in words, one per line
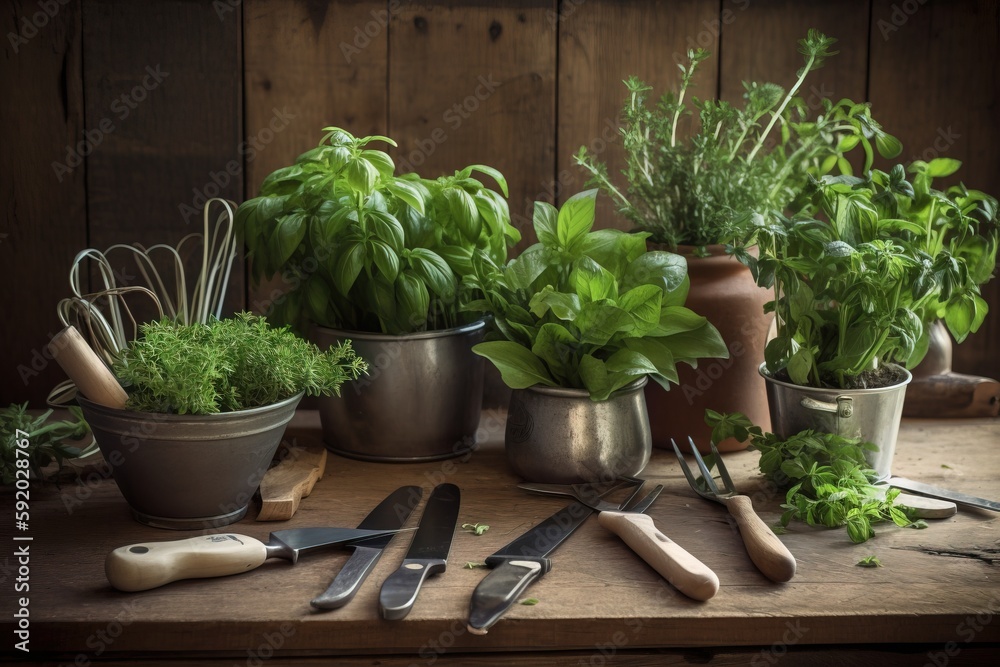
column 843, row 408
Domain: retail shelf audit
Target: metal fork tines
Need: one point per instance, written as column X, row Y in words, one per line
column 767, row 552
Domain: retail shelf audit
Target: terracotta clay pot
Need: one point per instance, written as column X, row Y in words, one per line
column 723, row 290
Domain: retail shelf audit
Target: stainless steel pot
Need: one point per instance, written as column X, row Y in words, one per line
column 561, row 436
column 420, row 401
column 188, row 472
column 870, row 414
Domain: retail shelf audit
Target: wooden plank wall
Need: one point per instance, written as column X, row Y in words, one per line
column 517, row 84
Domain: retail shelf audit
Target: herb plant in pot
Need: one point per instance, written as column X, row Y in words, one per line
column 700, row 196
column 582, row 319
column 851, row 296
column 207, row 407
column 381, row 260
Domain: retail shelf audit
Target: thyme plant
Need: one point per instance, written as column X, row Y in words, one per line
column 740, row 163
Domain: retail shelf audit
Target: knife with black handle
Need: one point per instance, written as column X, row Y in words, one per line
column 389, row 514
column 427, row 555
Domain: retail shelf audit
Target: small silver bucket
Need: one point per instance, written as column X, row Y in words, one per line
column 188, row 472
column 420, row 401
column 560, row 436
column 870, row 414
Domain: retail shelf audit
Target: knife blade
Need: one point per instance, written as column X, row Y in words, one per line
column 427, row 555
column 519, row 563
column 945, row 494
column 140, row 567
column 390, row 513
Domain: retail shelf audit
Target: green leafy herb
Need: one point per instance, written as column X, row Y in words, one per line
column 475, row 528
column 919, row 524
column 870, row 561
column 472, row 566
column 857, row 292
column 226, row 365
column 826, row 477
column 45, row 441
column 529, row 602
column 946, row 466
column 590, row 310
column 740, row 163
column 366, row 250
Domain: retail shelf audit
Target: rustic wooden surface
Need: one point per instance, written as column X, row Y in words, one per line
column 933, row 584
column 928, row 67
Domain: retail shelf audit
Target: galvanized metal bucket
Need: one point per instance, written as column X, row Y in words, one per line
column 188, row 472
column 561, row 436
column 870, row 414
column 420, row 401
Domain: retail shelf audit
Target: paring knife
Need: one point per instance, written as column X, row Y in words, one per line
column 945, row 494
column 521, row 562
column 139, row 567
column 390, row 513
column 427, row 555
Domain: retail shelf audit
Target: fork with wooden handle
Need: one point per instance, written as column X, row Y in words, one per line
column 771, row 557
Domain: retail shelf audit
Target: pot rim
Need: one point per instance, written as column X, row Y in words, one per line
column 419, row 335
column 762, row 369
column 570, row 392
column 125, row 413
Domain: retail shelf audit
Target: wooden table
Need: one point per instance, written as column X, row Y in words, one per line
column 935, row 601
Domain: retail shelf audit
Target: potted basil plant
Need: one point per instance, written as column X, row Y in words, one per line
column 582, row 319
column 700, row 195
column 854, row 294
column 381, row 260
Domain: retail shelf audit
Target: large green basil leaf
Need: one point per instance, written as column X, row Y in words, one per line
column 492, row 173
column 386, row 260
column 600, row 322
column 387, row 228
column 381, row 161
column 545, row 224
column 464, row 212
column 361, row 175
column 518, row 366
column 558, row 348
column 523, row 270
column 348, row 266
column 575, row 220
column 663, row 269
column 287, row 235
column 677, row 319
column 432, row 268
column 592, row 282
column 658, row 353
column 689, row 346
column 563, row 306
column 407, row 192
column 412, row 298
column 614, row 249
column 643, row 303
column 630, row 362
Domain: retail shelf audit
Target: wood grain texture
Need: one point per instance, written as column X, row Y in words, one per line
column 600, row 44
column 163, row 93
column 475, row 84
column 43, row 198
column 286, row 484
column 760, row 43
column 598, row 589
column 308, row 65
column 935, row 84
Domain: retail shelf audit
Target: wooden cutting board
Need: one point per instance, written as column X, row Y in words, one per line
column 286, row 484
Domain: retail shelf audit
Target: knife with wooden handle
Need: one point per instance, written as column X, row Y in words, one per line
column 139, row 567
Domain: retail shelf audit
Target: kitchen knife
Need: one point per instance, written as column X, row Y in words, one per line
column 139, row 567
column 518, row 564
column 945, row 494
column 427, row 555
column 390, row 513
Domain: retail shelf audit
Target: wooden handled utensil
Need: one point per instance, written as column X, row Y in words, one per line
column 771, row 557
